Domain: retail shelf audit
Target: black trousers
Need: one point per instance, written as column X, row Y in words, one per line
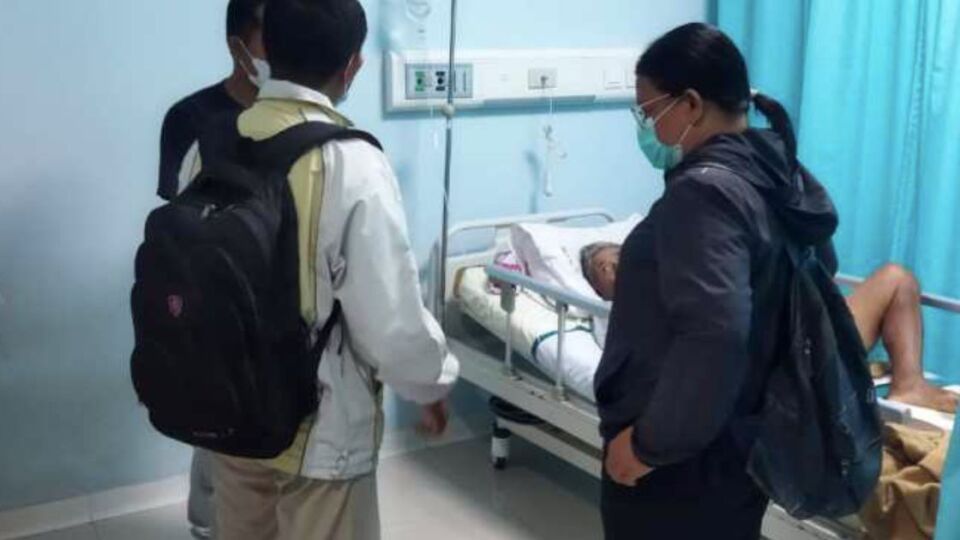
column 705, row 499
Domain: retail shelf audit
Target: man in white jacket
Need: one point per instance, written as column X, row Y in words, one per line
column 353, row 248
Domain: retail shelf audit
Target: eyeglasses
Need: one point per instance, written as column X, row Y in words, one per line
column 640, row 114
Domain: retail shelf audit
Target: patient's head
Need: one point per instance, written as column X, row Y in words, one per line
column 599, row 262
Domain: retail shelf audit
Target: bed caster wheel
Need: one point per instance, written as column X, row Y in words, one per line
column 499, row 464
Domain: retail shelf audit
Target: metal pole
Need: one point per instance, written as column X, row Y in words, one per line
column 560, row 392
column 508, row 301
column 449, row 111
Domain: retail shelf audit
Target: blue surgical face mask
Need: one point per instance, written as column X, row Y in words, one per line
column 662, row 156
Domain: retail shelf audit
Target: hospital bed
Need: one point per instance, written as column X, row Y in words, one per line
column 497, row 320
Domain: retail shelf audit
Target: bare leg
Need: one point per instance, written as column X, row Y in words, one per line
column 887, row 306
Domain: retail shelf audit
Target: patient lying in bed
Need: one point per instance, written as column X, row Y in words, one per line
column 886, row 306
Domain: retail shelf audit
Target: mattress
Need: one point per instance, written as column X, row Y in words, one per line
column 535, row 333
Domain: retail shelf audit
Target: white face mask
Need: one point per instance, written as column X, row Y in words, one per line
column 263, row 72
column 261, row 66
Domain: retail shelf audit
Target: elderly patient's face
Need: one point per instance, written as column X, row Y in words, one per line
column 603, row 269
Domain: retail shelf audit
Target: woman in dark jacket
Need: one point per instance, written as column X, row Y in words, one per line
column 699, row 289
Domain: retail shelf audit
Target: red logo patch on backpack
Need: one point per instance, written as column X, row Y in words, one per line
column 175, row 305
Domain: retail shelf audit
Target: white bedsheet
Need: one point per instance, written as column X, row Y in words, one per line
column 534, row 329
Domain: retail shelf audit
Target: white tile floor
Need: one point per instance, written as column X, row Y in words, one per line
column 443, row 493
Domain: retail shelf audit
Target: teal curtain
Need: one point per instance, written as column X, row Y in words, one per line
column 869, row 85
column 874, row 89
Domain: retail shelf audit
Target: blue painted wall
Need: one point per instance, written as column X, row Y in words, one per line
column 83, row 89
column 498, row 155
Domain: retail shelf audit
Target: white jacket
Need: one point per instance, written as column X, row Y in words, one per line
column 363, row 259
column 365, row 262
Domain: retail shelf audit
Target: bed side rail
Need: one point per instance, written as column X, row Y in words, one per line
column 509, row 283
column 600, row 309
column 561, row 296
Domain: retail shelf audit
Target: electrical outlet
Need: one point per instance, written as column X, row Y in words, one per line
column 432, row 81
column 542, row 79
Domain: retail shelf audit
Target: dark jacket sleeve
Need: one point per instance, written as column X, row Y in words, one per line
column 703, row 250
column 176, row 137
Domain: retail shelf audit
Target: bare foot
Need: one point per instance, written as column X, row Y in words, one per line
column 926, row 395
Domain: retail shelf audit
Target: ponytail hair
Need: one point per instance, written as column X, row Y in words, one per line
column 780, row 122
column 701, row 57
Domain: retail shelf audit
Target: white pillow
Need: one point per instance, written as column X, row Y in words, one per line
column 551, row 253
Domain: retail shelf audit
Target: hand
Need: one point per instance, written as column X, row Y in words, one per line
column 622, row 464
column 433, row 419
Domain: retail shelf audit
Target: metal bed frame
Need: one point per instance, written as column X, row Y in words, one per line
column 570, row 424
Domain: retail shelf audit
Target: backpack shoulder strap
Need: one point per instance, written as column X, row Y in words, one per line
column 322, row 336
column 223, row 160
column 280, row 152
column 284, row 149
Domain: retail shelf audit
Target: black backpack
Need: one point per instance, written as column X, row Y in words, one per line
column 223, row 359
column 818, row 450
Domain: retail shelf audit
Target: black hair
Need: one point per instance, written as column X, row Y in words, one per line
column 312, row 40
column 700, row 57
column 243, row 16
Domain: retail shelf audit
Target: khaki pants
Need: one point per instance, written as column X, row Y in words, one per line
column 255, row 502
